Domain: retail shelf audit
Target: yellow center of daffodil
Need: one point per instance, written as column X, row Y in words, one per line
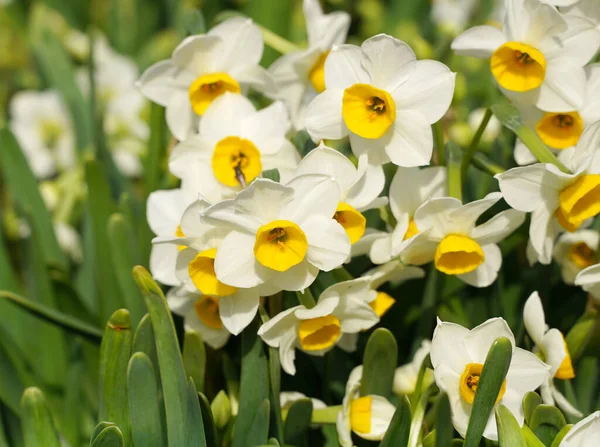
column 382, row 303
column 565, row 371
column 179, row 233
column 280, row 245
column 368, row 111
column 560, row 130
column 579, row 201
column 236, row 161
column 412, row 229
column 353, row 222
column 208, row 87
column 457, row 254
column 518, row 67
column 317, row 73
column 581, row 255
column 319, row 333
column 207, row 310
column 202, row 272
column 360, row 414
column 469, row 381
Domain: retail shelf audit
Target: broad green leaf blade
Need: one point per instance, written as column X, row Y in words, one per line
column 194, row 358
column 493, row 374
column 11, row 384
column 253, row 387
column 38, row 427
column 172, row 375
column 509, row 430
column 195, row 425
column 114, row 360
column 297, row 422
column 275, row 388
column 443, row 422
column 561, row 434
column 546, row 422
column 144, row 401
column 143, row 340
column 259, row 428
column 579, row 336
column 399, row 429
column 379, row 364
column 210, row 429
column 123, row 25
column 109, row 437
column 530, row 402
column 530, row 438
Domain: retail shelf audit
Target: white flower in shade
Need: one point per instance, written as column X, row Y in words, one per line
column 367, row 416
column 557, row 201
column 410, row 188
column 452, row 15
column 586, row 433
column 42, row 127
column 458, row 355
column 552, row 348
column 236, row 143
column 300, row 75
column 456, row 244
column 287, row 399
column 200, row 313
column 575, row 252
column 360, row 187
column 406, row 376
column 204, row 67
column 589, row 280
column 538, row 52
column 385, row 100
column 281, row 236
column 69, row 241
column 338, row 311
column 561, row 130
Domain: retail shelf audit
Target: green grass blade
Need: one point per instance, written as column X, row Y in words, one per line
column 194, row 358
column 443, row 422
column 509, row 430
column 210, row 429
column 11, row 385
column 38, row 427
column 195, row 424
column 379, row 364
column 399, row 429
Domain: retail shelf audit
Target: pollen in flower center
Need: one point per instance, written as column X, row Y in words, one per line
column 581, row 255
column 457, row 254
column 360, row 414
column 560, row 130
column 319, row 333
column 280, row 245
column 236, row 161
column 469, row 381
column 368, row 111
column 207, row 310
column 204, row 90
column 579, row 201
column 354, row 222
column 202, row 272
column 518, row 67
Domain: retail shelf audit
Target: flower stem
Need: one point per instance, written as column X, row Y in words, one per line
column 438, row 142
column 306, row 298
column 277, row 42
column 454, row 155
column 320, row 415
column 468, row 155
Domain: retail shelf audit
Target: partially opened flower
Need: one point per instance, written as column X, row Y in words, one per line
column 456, row 244
column 589, row 280
column 360, row 187
column 300, row 75
column 406, row 376
column 586, row 433
column 538, row 52
column 575, row 252
column 281, row 236
column 558, row 201
column 235, row 144
column 318, row 329
column 552, row 348
column 458, row 355
column 385, row 100
column 202, row 68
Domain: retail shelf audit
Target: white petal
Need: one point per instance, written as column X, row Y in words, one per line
column 162, row 80
column 480, row 339
column 563, row 87
column 266, row 124
column 411, row 187
column 328, row 243
column 565, row 405
column 580, row 41
column 434, row 215
column 382, row 412
column 224, row 116
column 419, row 250
column 589, row 279
column 296, row 278
column 386, row 59
column 553, row 346
column 164, row 210
column 486, row 273
column 323, row 117
column 238, row 310
column 324, row 306
column 527, row 372
column 196, row 54
column 479, row 41
column 180, row 301
column 162, row 264
column 275, row 329
column 466, row 216
column 242, row 43
column 448, row 347
column 586, row 433
column 365, row 191
column 256, row 77
column 534, row 318
column 287, row 352
column 314, row 196
column 235, row 264
column 181, row 119
column 523, row 156
column 327, row 161
column 498, row 227
column 410, row 142
column 344, row 68
column 542, row 232
column 348, row 343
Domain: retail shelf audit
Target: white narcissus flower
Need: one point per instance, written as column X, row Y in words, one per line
column 204, row 67
column 338, row 311
column 584, row 8
column 360, row 187
column 406, row 376
column 69, row 241
column 551, row 344
column 385, row 100
column 281, row 236
column 235, row 144
column 300, row 75
column 586, row 433
column 557, row 201
column 368, row 416
column 458, row 355
column 200, row 313
column 456, row 244
column 43, row 128
column 575, row 252
column 538, row 52
column 410, row 188
column 287, row 399
column 589, row 280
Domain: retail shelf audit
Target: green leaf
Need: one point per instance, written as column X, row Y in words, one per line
column 580, row 334
column 143, row 340
column 11, row 385
column 546, row 422
column 509, row 430
column 123, row 25
column 174, row 384
column 23, row 187
column 379, row 364
column 453, row 162
column 37, row 424
column 99, row 428
column 297, row 422
column 561, row 434
column 210, row 429
column 109, row 437
column 443, row 422
column 114, row 361
column 493, row 374
column 144, row 402
column 55, row 317
column 258, row 432
column 156, row 149
column 530, row 438
column 399, row 429
column 194, row 358
column 195, row 425
column 530, row 402
column 272, row 174
column 194, row 22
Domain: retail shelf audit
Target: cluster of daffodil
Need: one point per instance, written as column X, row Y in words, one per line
column 253, row 219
